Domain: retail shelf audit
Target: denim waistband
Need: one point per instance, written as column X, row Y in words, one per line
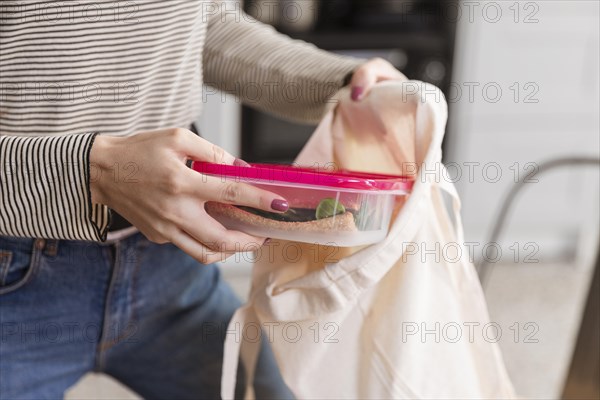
column 50, row 247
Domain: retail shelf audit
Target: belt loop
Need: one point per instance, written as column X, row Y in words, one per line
column 39, row 244
column 51, row 247
column 48, row 246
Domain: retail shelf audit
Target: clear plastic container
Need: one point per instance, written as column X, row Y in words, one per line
column 341, row 208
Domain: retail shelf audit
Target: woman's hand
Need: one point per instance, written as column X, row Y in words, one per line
column 371, row 72
column 145, row 179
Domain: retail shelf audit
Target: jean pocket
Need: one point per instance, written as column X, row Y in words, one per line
column 17, row 263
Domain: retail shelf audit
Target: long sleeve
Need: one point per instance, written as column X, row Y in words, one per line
column 270, row 71
column 44, row 188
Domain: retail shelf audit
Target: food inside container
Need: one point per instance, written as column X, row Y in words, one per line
column 341, row 208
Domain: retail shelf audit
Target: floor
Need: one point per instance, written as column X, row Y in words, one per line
column 538, row 307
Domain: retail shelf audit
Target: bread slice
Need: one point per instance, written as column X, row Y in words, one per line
column 339, row 223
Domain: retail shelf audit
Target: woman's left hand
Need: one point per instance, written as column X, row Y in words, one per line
column 371, row 72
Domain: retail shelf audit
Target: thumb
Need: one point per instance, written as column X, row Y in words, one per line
column 362, row 81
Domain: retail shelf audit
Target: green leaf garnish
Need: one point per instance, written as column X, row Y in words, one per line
column 328, row 208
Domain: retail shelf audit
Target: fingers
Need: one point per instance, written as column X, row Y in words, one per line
column 216, row 238
column 369, row 74
column 197, row 233
column 215, row 189
column 212, row 188
column 197, row 250
column 212, row 242
column 228, row 192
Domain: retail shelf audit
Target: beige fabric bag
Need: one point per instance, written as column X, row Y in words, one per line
column 389, row 320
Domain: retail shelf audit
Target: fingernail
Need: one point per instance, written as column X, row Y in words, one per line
column 280, row 205
column 357, row 93
column 267, row 241
column 240, row 163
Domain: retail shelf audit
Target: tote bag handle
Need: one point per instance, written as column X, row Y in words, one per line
column 234, row 347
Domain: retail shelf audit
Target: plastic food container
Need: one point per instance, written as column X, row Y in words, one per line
column 341, row 208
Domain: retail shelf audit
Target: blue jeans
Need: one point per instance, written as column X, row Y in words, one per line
column 146, row 314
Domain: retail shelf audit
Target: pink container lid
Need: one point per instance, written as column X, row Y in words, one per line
column 342, row 179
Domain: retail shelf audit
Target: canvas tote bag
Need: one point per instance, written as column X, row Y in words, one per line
column 405, row 318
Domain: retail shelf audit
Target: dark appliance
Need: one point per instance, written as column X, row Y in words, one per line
column 417, row 37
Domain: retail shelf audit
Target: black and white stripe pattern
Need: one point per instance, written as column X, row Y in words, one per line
column 289, row 78
column 70, row 68
column 42, row 178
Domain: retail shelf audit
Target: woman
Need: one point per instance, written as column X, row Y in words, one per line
column 97, row 99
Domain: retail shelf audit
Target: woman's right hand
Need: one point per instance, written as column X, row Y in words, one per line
column 145, row 179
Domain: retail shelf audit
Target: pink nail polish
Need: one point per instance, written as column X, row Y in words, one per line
column 357, row 93
column 240, row 163
column 280, row 205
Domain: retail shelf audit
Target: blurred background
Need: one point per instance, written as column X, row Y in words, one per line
column 522, row 82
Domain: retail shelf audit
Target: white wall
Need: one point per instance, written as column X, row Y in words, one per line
column 551, row 53
column 220, row 121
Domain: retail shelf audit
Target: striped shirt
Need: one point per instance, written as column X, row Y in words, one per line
column 72, row 69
